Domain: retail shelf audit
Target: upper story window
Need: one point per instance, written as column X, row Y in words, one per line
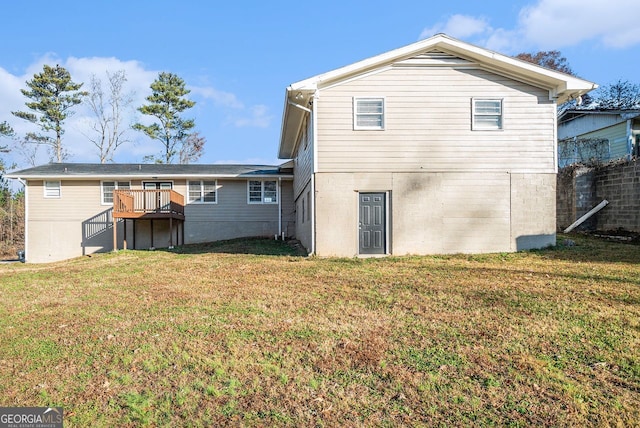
column 368, row 113
column 202, row 191
column 487, row 114
column 109, row 186
column 263, row 191
column 52, row 189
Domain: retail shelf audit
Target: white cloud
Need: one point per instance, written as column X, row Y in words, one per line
column 226, row 99
column 139, row 79
column 557, row 23
column 551, row 24
column 459, row 26
column 259, row 118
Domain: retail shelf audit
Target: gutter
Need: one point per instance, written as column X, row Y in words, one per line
column 314, row 117
column 149, row 177
column 280, row 207
column 291, row 103
column 26, row 217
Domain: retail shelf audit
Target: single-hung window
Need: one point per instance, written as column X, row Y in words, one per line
column 109, row 186
column 263, row 191
column 487, row 114
column 52, row 189
column 368, row 113
column 202, row 191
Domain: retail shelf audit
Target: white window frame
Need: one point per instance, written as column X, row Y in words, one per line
column 201, row 200
column 54, row 192
column 474, row 114
column 116, row 186
column 262, row 192
column 382, row 115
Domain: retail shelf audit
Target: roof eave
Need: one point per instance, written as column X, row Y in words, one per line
column 296, row 106
column 561, row 86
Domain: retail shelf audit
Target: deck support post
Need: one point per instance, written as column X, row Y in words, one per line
column 133, row 238
column 151, row 226
column 171, row 231
column 124, row 242
column 115, row 234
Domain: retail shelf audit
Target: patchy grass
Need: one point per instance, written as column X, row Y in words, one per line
column 198, row 337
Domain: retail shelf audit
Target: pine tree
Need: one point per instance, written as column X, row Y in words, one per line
column 53, row 94
column 166, row 102
column 5, row 131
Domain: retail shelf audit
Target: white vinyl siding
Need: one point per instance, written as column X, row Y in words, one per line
column 428, row 124
column 368, row 113
column 109, row 186
column 202, row 191
column 52, row 189
column 303, row 160
column 487, row 114
column 263, row 191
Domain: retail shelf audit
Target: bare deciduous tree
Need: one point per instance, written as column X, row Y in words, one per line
column 108, row 109
column 548, row 59
column 192, row 148
column 619, row 95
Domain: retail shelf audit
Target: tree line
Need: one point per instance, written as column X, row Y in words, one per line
column 52, row 96
column 620, row 94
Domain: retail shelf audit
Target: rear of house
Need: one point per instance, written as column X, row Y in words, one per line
column 69, row 207
column 437, row 147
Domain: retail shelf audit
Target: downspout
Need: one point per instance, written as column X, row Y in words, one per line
column 280, row 207
column 555, row 139
column 629, row 155
column 314, row 117
column 26, row 217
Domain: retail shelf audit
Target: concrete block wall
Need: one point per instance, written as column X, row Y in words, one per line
column 620, row 185
column 580, row 189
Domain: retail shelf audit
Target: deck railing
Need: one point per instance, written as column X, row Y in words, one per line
column 138, row 203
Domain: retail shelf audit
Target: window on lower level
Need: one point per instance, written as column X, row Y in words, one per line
column 109, row 186
column 487, row 114
column 52, row 189
column 202, row 191
column 263, row 191
column 368, row 113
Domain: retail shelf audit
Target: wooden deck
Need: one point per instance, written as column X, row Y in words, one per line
column 147, row 204
column 157, row 204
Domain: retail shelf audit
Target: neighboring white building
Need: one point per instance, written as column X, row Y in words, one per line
column 587, row 134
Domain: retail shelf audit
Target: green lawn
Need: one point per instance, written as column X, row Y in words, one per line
column 201, row 336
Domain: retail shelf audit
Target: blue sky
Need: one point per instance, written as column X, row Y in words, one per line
column 238, row 57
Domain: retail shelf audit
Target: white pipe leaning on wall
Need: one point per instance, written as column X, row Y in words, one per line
column 585, row 217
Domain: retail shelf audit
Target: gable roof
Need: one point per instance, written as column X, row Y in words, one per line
column 446, row 51
column 80, row 171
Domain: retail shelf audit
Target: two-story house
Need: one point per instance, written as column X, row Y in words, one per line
column 437, row 147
